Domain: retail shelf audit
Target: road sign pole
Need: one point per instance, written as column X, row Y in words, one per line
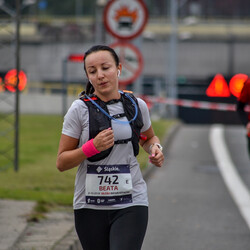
column 172, row 69
column 139, row 80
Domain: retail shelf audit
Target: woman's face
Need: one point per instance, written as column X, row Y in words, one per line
column 102, row 72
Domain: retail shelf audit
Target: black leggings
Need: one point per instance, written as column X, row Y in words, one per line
column 121, row 229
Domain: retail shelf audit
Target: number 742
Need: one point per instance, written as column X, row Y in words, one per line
column 107, row 179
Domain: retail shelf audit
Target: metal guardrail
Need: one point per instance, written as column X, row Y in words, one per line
column 54, row 88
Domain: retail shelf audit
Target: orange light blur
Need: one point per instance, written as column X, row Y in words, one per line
column 236, row 84
column 10, row 80
column 1, row 85
column 218, row 87
column 76, row 58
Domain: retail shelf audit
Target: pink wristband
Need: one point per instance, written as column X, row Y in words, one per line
column 89, row 149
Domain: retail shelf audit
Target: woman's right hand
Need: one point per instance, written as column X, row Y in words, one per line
column 104, row 140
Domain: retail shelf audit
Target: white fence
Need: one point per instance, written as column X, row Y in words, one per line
column 34, row 103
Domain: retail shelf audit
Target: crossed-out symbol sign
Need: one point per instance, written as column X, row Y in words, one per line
column 131, row 60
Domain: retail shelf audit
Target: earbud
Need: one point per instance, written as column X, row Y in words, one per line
column 91, row 82
column 119, row 72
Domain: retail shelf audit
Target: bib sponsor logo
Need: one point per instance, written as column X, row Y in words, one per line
column 108, row 185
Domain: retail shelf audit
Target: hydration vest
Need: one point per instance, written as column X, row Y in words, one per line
column 99, row 121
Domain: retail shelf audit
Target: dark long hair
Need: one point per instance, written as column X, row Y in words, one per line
column 89, row 87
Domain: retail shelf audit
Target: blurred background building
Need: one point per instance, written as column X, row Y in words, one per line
column 213, row 37
column 157, row 8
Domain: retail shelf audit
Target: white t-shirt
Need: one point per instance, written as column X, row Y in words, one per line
column 76, row 125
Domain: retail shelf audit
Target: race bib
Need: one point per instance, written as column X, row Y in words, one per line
column 108, row 184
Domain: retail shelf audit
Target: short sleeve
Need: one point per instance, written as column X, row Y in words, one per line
column 75, row 120
column 145, row 115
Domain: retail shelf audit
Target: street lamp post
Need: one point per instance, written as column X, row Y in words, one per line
column 172, row 71
column 17, row 45
column 16, row 16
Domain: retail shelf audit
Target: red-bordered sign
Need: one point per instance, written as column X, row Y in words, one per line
column 131, row 60
column 125, row 19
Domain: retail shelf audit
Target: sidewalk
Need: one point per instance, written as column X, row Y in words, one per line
column 55, row 232
column 12, row 221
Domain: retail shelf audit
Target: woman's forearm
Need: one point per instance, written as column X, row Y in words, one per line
column 70, row 159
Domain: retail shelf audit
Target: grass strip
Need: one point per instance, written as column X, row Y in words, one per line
column 37, row 178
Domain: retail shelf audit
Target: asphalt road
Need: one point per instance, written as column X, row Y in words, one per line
column 190, row 205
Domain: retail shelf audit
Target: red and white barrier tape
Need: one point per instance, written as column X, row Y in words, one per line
column 193, row 104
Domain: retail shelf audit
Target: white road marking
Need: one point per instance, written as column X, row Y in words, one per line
column 233, row 181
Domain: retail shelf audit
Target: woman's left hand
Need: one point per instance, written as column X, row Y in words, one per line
column 156, row 157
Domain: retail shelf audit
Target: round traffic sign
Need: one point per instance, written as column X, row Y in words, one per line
column 125, row 19
column 131, row 60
